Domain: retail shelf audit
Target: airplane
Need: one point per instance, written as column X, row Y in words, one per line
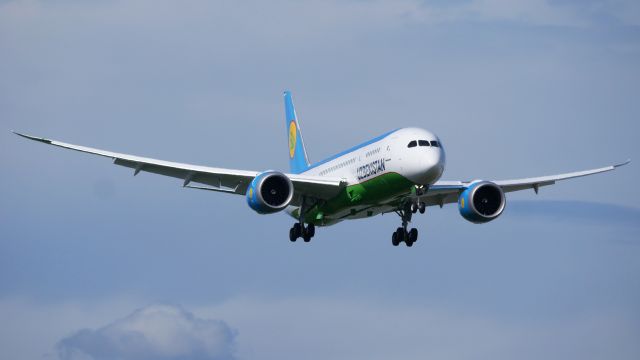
column 396, row 172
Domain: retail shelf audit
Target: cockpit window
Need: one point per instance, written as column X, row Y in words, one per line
column 423, row 143
column 435, row 143
column 412, row 144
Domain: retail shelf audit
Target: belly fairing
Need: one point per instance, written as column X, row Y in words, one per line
column 357, row 198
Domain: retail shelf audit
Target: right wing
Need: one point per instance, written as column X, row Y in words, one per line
column 445, row 192
column 214, row 179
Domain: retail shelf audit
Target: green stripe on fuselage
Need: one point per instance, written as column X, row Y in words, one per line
column 375, row 191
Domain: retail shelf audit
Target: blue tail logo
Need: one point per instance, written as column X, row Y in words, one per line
column 298, row 160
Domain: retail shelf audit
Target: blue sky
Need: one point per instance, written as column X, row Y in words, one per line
column 95, row 263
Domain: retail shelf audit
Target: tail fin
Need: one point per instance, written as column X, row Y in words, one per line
column 298, row 160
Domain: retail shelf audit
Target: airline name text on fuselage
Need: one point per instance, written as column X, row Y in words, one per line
column 371, row 169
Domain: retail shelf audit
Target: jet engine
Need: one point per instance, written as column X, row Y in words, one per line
column 481, row 202
column 269, row 192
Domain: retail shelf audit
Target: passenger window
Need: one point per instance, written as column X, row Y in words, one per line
column 412, row 144
column 435, row 143
column 423, row 143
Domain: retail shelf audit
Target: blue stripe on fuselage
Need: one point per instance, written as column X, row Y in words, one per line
column 352, row 149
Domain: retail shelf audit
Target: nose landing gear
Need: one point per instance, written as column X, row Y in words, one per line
column 415, row 207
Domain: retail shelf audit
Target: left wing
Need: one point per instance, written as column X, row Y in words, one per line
column 445, row 192
column 215, row 179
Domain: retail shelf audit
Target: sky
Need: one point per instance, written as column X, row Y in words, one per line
column 97, row 264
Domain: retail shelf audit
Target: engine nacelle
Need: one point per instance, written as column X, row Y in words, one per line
column 269, row 192
column 481, row 202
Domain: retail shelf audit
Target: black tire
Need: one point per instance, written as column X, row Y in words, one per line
column 311, row 230
column 394, row 239
column 297, row 228
column 306, row 238
column 422, row 208
column 292, row 235
column 413, row 235
column 414, row 208
column 409, row 243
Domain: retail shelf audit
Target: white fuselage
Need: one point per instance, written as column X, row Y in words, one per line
column 414, row 154
column 423, row 165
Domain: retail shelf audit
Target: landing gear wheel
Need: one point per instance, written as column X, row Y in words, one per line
column 394, row 239
column 422, row 207
column 413, row 235
column 308, row 232
column 297, row 229
column 414, row 208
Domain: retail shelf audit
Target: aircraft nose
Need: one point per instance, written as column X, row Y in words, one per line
column 438, row 165
column 440, row 162
column 433, row 166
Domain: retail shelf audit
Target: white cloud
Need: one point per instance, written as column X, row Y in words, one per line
column 311, row 328
column 153, row 332
column 31, row 329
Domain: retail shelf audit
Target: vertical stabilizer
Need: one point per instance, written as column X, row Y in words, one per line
column 298, row 160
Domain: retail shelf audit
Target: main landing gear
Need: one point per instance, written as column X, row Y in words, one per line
column 402, row 234
column 300, row 231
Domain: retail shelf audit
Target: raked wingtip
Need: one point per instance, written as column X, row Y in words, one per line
column 30, row 137
column 19, row 134
column 623, row 163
